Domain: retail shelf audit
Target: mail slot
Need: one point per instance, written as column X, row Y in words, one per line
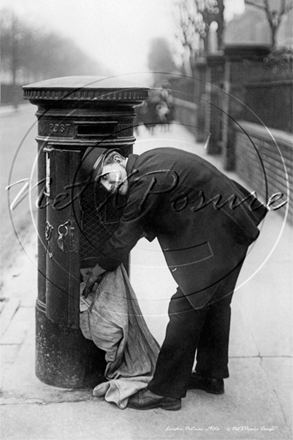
column 74, row 114
column 95, row 129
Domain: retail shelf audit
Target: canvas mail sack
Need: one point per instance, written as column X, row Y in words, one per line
column 111, row 317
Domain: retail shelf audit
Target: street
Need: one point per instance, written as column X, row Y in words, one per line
column 18, row 152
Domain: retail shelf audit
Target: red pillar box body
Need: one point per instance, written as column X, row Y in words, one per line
column 74, row 114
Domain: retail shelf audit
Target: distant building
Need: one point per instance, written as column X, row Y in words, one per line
column 252, row 27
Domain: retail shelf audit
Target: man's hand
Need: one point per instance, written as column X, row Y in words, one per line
column 89, row 284
column 94, row 276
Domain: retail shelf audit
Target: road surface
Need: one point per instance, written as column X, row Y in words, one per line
column 18, row 152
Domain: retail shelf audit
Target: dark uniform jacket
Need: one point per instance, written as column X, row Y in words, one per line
column 203, row 220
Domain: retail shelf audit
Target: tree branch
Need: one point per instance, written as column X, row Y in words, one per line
column 288, row 8
column 251, row 3
column 282, row 8
column 269, row 13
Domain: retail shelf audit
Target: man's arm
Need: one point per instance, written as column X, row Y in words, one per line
column 118, row 247
column 135, row 222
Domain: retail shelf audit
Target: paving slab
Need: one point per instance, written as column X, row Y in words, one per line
column 248, row 410
column 9, row 309
column 279, row 373
column 19, row 326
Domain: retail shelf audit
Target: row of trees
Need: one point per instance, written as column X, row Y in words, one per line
column 274, row 15
column 30, row 53
column 194, row 20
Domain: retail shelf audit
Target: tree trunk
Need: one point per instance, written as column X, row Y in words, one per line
column 14, row 63
column 274, row 34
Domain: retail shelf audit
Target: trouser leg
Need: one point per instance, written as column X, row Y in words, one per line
column 213, row 345
column 206, row 329
column 212, row 355
column 177, row 353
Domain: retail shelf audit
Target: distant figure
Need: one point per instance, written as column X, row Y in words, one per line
column 167, row 101
column 163, row 110
column 140, row 116
column 152, row 117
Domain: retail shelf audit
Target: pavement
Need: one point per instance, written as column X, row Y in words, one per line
column 257, row 403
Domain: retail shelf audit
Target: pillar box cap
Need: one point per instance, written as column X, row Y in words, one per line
column 86, row 88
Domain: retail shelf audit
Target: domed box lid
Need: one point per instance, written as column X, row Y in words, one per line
column 86, row 88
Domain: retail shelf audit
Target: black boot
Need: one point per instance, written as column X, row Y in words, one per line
column 208, row 384
column 145, row 399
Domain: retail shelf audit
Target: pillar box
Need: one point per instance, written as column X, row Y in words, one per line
column 74, row 113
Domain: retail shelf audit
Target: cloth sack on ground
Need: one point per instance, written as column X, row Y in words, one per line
column 112, row 319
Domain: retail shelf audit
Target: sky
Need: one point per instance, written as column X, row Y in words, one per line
column 115, row 32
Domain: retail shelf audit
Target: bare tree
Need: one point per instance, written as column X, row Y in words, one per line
column 212, row 11
column 189, row 31
column 160, row 56
column 274, row 16
column 30, row 53
column 11, row 35
column 194, row 18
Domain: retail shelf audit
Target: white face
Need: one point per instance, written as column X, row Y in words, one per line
column 114, row 178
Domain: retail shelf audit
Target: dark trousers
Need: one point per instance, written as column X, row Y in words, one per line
column 203, row 331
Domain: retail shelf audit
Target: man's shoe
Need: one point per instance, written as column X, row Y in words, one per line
column 208, row 384
column 145, row 399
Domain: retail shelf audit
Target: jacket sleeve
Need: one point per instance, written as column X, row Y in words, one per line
column 133, row 225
